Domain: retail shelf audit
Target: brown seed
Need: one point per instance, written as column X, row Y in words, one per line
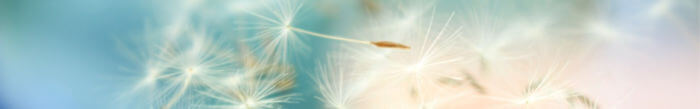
column 387, row 44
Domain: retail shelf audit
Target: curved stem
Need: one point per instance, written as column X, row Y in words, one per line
column 327, row 36
column 380, row 44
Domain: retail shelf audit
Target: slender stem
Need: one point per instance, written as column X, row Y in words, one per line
column 327, row 36
column 179, row 93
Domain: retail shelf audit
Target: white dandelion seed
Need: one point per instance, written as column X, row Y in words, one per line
column 279, row 31
column 338, row 87
column 277, row 40
column 202, row 61
column 258, row 92
column 150, row 69
column 189, row 61
column 542, row 90
column 434, row 55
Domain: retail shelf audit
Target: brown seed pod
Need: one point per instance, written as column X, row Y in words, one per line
column 387, row 44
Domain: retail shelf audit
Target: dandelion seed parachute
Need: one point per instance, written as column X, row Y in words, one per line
column 284, row 35
column 175, row 68
column 409, row 74
column 340, row 87
column 274, row 39
column 252, row 92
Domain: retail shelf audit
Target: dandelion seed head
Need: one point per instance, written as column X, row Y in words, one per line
column 193, row 70
column 272, row 26
column 251, row 103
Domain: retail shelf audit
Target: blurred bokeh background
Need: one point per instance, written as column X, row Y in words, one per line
column 63, row 54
